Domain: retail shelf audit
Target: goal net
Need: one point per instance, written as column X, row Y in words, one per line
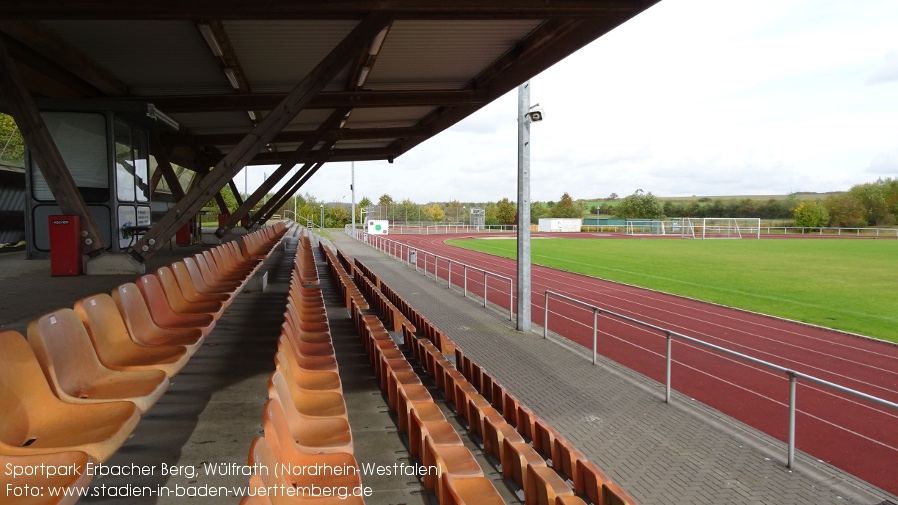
column 719, row 227
column 645, row 227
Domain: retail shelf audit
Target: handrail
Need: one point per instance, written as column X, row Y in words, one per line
column 670, row 334
column 395, row 248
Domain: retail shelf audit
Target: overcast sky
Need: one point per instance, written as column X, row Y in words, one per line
column 692, row 97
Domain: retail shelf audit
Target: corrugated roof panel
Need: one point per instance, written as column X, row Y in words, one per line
column 387, row 117
column 151, row 57
column 277, row 55
column 422, row 54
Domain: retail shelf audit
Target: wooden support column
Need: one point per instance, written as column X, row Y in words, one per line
column 44, row 151
column 282, row 195
column 164, row 169
column 308, row 175
column 332, row 123
column 262, row 134
column 236, row 192
column 202, row 173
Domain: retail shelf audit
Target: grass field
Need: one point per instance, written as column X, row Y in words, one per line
column 844, row 284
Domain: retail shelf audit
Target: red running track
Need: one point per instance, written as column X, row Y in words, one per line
column 847, row 432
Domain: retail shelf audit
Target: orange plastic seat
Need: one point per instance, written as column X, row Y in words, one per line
column 275, row 482
column 566, row 459
column 589, row 481
column 440, row 432
column 161, row 310
column 544, row 438
column 311, row 436
column 74, row 371
column 201, row 283
column 456, row 460
column 194, row 291
column 543, row 486
column 569, row 499
column 311, row 380
column 289, row 454
column 114, row 345
column 495, row 431
column 180, row 303
column 309, row 404
column 470, row 491
column 41, row 484
column 614, row 495
column 516, row 457
column 211, row 277
column 144, row 330
column 34, row 421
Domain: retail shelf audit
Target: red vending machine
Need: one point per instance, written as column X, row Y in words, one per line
column 65, row 246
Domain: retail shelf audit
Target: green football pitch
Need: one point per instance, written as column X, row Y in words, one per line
column 850, row 285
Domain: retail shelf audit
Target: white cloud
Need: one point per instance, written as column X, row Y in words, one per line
column 691, row 97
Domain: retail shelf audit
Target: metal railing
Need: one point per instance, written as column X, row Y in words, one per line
column 792, row 375
column 408, row 254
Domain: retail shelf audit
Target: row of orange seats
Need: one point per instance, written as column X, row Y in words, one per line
column 393, row 317
column 539, row 460
column 419, row 324
column 348, row 290
column 458, row 478
column 305, row 262
column 305, row 420
column 78, row 390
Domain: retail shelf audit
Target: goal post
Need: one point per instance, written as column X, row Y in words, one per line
column 730, row 227
column 645, row 227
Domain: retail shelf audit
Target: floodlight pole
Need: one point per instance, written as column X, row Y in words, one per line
column 352, row 189
column 523, row 321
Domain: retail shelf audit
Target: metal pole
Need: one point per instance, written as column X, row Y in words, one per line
column 511, row 302
column 667, row 385
column 484, row 288
column 322, row 216
column 523, row 323
column 465, row 273
column 352, row 189
column 595, row 335
column 449, row 276
column 791, row 456
column 546, row 317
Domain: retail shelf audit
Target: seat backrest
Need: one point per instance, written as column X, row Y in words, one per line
column 196, row 276
column 23, row 387
column 65, row 352
column 170, row 287
column 105, row 326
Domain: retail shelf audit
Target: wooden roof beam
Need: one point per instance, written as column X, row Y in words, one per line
column 262, row 134
column 327, row 100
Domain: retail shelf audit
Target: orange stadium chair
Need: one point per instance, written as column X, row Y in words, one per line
column 35, row 421
column 114, row 344
column 161, row 313
column 144, row 330
column 74, row 371
column 311, row 436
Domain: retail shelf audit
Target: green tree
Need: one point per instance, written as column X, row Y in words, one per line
column 12, row 146
column 505, row 211
column 566, row 208
column 364, row 203
column 433, row 212
column 845, row 211
column 639, row 205
column 810, row 214
column 385, row 199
